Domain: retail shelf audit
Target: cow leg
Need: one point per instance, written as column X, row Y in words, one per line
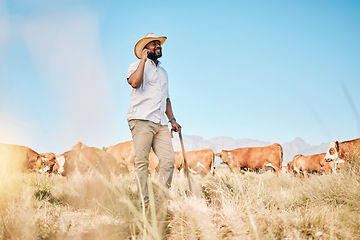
column 181, row 172
column 277, row 168
column 305, row 174
column 200, row 169
column 329, row 171
column 274, row 166
column 297, row 172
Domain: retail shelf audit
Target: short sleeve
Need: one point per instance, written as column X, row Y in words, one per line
column 132, row 68
column 167, row 86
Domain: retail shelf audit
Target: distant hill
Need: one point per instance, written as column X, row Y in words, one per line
column 296, row 146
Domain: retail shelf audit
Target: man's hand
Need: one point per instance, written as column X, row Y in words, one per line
column 144, row 53
column 175, row 126
column 136, row 79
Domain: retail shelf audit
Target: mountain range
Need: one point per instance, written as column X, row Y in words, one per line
column 292, row 148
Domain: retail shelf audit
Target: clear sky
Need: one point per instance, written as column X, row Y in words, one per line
column 265, row 70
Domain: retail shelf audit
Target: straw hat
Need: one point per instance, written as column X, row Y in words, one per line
column 142, row 43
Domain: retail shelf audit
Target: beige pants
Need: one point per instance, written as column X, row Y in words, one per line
column 146, row 135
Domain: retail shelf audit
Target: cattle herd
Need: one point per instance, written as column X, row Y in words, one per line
column 119, row 160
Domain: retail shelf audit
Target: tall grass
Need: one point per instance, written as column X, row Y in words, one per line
column 224, row 206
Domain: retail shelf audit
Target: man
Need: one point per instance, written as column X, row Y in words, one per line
column 149, row 113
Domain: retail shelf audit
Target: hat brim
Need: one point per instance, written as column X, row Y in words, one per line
column 144, row 41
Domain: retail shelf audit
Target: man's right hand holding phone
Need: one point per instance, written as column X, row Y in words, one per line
column 144, row 54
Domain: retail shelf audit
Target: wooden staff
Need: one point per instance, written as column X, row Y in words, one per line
column 187, row 173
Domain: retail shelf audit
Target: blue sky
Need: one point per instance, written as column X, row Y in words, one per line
column 266, row 70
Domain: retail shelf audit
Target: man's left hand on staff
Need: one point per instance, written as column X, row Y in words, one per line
column 175, row 126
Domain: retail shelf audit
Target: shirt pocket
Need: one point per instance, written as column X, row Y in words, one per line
column 151, row 81
column 151, row 78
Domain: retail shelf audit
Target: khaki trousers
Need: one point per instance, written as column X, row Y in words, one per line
column 147, row 135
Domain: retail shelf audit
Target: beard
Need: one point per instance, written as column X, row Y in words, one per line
column 154, row 55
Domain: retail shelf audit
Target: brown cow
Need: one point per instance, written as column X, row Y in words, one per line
column 90, row 159
column 50, row 163
column 290, row 167
column 313, row 163
column 19, row 158
column 67, row 159
column 254, row 158
column 348, row 151
column 199, row 162
column 125, row 153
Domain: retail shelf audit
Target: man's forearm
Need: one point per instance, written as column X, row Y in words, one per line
column 169, row 112
column 136, row 79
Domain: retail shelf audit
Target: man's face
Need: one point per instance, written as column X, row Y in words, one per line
column 155, row 49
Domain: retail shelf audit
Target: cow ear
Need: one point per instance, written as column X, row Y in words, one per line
column 337, row 146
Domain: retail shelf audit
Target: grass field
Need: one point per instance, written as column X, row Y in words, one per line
column 224, row 206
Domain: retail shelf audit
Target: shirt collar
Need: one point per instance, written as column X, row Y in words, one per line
column 153, row 63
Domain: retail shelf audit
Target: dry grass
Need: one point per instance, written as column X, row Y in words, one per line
column 224, row 206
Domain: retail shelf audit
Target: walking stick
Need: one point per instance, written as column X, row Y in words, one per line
column 187, row 173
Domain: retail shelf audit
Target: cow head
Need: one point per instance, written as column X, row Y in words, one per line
column 332, row 153
column 290, row 167
column 53, row 163
column 49, row 163
column 226, row 158
column 44, row 164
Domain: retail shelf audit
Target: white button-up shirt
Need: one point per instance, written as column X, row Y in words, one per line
column 148, row 102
